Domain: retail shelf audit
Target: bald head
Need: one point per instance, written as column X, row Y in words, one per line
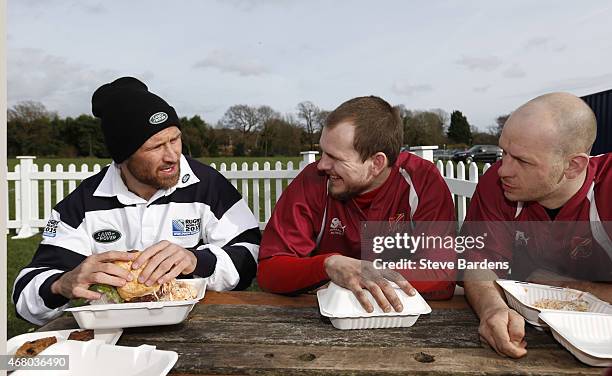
column 566, row 119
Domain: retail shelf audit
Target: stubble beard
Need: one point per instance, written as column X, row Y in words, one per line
column 142, row 174
column 345, row 195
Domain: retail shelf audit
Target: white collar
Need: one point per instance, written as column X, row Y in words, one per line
column 113, row 186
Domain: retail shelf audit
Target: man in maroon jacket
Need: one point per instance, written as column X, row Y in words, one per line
column 545, row 180
column 313, row 235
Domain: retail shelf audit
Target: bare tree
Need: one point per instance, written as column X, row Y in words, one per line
column 266, row 116
column 500, row 122
column 309, row 113
column 29, row 111
column 243, row 118
column 267, row 113
column 321, row 119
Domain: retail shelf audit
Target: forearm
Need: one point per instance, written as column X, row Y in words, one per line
column 482, row 292
column 288, row 274
column 234, row 267
column 36, row 293
column 28, row 298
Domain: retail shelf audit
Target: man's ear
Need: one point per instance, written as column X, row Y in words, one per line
column 577, row 164
column 379, row 163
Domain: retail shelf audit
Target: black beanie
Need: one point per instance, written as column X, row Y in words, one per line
column 130, row 114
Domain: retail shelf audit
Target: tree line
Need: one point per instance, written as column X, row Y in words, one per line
column 243, row 130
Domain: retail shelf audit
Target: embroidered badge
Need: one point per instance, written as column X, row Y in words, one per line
column 185, row 227
column 106, row 236
column 336, row 227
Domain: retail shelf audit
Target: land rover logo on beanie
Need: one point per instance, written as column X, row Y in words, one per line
column 158, row 118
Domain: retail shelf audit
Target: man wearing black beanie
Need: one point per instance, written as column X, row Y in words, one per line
column 185, row 216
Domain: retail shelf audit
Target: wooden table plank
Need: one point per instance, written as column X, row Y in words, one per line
column 259, row 298
column 257, row 333
column 304, row 326
column 304, row 300
column 326, row 360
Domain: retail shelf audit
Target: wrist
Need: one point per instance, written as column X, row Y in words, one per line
column 330, row 261
column 55, row 287
column 488, row 309
column 193, row 264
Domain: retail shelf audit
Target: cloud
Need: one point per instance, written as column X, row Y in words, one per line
column 577, row 85
column 536, row 43
column 409, row 90
column 580, row 83
column 94, row 9
column 544, row 44
column 515, row 71
column 481, row 89
column 56, row 82
column 485, row 63
column 251, row 5
column 228, row 62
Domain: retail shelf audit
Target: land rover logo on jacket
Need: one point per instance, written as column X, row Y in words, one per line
column 158, row 117
column 106, row 236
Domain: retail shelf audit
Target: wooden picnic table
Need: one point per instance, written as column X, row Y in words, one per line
column 256, row 333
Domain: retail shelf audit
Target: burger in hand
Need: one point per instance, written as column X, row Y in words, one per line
column 134, row 291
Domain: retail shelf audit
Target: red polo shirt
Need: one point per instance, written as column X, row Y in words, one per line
column 566, row 245
column 308, row 225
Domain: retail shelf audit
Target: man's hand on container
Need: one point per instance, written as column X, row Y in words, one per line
column 357, row 275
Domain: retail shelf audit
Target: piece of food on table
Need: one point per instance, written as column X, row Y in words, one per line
column 33, row 348
column 82, row 335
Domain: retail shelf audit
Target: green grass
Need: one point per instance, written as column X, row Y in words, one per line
column 20, row 252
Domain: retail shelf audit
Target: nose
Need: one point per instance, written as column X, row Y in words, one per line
column 170, row 154
column 324, row 163
column 505, row 170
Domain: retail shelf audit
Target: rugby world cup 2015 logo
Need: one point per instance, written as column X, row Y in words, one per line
column 185, row 227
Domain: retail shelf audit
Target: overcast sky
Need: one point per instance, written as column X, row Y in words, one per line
column 481, row 57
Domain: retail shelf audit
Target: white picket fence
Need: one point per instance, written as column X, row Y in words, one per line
column 252, row 181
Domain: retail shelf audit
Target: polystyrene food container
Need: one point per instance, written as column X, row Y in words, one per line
column 95, row 358
column 345, row 311
column 129, row 315
column 587, row 336
column 522, row 295
column 108, row 336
